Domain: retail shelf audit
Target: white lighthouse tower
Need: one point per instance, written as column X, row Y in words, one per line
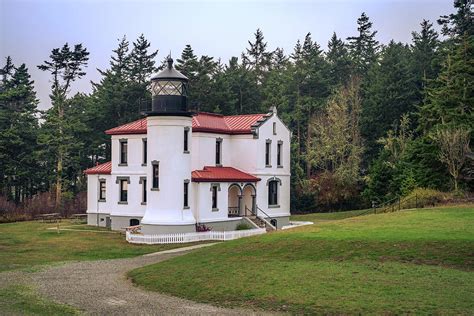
column 169, row 125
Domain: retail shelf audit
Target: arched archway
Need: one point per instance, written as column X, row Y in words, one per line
column 249, row 194
column 134, row 222
column 234, row 200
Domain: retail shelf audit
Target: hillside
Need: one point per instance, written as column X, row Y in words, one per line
column 407, row 262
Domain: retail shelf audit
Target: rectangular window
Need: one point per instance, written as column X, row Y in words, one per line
column 268, row 145
column 186, row 194
column 279, row 149
column 273, row 193
column 156, row 175
column 123, row 190
column 145, row 150
column 274, row 128
column 123, row 151
column 218, row 151
column 214, row 197
column 186, row 140
column 143, row 190
column 102, row 190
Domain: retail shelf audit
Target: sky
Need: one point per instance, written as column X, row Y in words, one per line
column 30, row 29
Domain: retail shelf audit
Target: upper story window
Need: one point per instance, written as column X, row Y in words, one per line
column 123, row 183
column 273, row 192
column 145, row 151
column 274, row 128
column 268, row 146
column 219, row 151
column 155, row 175
column 186, row 194
column 186, row 140
column 143, row 183
column 102, row 190
column 123, row 151
column 214, row 189
column 279, row 153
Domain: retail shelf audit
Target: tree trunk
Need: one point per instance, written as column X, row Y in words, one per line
column 59, row 172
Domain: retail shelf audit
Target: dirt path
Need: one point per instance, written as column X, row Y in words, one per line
column 101, row 288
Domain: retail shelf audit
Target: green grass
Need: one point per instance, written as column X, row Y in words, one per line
column 410, row 262
column 22, row 300
column 24, row 245
column 315, row 217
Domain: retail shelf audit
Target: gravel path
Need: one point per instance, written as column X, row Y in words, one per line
column 101, row 288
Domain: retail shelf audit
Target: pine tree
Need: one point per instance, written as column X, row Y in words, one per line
column 390, row 93
column 339, row 61
column 425, row 54
column 460, row 23
column 19, row 164
column 257, row 57
column 364, row 47
column 450, row 97
column 188, row 63
column 65, row 66
column 142, row 64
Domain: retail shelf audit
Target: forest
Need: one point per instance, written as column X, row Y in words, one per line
column 369, row 121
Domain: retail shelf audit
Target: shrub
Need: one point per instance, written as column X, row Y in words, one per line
column 422, row 197
column 202, row 228
column 243, row 226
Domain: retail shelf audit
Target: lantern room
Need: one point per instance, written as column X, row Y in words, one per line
column 169, row 90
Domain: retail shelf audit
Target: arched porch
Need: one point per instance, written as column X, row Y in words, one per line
column 241, row 199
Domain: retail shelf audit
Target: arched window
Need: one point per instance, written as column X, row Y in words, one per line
column 134, row 222
column 273, row 192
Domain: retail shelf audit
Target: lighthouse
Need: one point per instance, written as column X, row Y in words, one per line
column 169, row 125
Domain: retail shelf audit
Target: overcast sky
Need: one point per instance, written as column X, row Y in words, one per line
column 30, row 29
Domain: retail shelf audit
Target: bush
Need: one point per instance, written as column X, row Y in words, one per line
column 422, row 197
column 243, row 226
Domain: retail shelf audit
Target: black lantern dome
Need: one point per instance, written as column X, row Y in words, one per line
column 169, row 90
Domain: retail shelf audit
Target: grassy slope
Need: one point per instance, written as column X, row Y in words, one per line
column 26, row 244
column 407, row 262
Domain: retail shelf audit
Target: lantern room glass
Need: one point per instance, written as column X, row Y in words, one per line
column 168, row 87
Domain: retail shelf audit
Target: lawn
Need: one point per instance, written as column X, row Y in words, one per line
column 409, row 262
column 316, row 217
column 28, row 244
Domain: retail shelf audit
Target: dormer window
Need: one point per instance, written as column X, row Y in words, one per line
column 123, row 152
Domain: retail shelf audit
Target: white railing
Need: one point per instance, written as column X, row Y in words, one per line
column 179, row 238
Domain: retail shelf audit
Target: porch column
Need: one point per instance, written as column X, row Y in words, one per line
column 239, row 203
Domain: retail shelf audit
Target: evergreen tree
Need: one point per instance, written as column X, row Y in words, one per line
column 188, row 64
column 460, row 23
column 450, row 97
column 142, row 64
column 257, row 57
column 65, row 66
column 20, row 174
column 390, row 93
column 339, row 61
column 364, row 47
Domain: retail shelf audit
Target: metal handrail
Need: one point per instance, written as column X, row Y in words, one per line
column 264, row 219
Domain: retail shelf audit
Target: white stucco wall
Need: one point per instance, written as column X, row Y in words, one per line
column 93, row 203
column 204, row 150
column 165, row 145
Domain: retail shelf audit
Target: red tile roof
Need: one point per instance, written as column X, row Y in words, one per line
column 222, row 174
column 105, row 168
column 202, row 122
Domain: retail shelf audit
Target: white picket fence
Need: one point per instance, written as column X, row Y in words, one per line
column 179, row 238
